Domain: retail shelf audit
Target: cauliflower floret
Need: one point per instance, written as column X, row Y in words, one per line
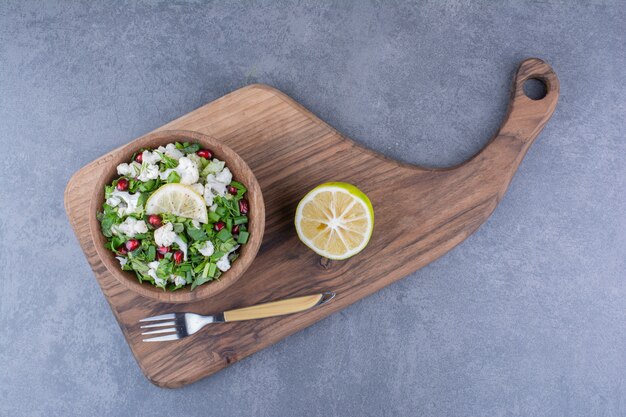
column 152, row 272
column 113, row 201
column 163, row 175
column 148, row 172
column 130, row 170
column 197, row 187
column 130, row 227
column 164, row 235
column 195, row 159
column 151, row 158
column 171, row 151
column 127, row 203
column 214, row 187
column 223, row 264
column 225, row 177
column 207, row 249
column 178, row 280
column 188, row 171
column 216, row 181
column 214, row 166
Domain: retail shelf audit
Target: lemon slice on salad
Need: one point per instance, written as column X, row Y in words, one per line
column 177, row 199
column 335, row 220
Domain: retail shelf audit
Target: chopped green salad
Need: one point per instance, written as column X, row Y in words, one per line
column 175, row 216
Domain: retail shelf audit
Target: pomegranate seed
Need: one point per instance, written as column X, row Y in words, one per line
column 160, row 256
column 232, row 190
column 122, row 250
column 163, row 250
column 205, row 153
column 178, row 256
column 243, row 206
column 155, row 220
column 219, row 226
column 139, row 157
column 122, row 184
column 132, row 245
column 235, row 229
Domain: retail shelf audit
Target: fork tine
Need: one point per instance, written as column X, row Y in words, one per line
column 161, row 317
column 169, row 330
column 163, row 338
column 159, row 324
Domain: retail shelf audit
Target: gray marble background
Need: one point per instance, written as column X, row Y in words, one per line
column 525, row 318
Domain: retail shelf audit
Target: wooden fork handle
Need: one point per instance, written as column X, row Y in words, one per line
column 278, row 308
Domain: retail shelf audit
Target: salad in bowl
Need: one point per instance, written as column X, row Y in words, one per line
column 175, row 216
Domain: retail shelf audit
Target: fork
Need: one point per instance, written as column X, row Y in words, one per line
column 180, row 325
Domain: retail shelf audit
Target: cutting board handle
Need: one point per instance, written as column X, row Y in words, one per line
column 524, row 121
column 527, row 116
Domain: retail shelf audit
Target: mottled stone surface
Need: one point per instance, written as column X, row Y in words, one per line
column 525, row 318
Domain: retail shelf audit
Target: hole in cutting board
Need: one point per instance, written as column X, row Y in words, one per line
column 535, row 89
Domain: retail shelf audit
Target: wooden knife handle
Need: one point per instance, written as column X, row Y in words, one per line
column 277, row 308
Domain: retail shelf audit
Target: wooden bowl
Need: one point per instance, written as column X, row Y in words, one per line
column 241, row 172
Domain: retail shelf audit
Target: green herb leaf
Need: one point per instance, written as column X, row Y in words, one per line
column 165, row 269
column 212, row 270
column 168, row 162
column 151, row 254
column 196, row 234
column 243, row 237
column 213, row 217
column 227, row 246
column 173, row 177
column 213, row 167
column 223, row 235
column 108, row 220
column 239, row 186
column 148, row 186
column 199, row 281
column 139, row 266
column 190, row 148
column 241, row 219
column 178, row 227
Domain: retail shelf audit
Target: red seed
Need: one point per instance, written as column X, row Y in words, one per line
column 235, row 229
column 155, row 220
column 132, row 245
column 163, row 250
column 160, row 256
column 122, row 250
column 122, row 184
column 139, row 157
column 232, row 190
column 178, row 256
column 205, row 153
column 243, row 206
column 219, row 226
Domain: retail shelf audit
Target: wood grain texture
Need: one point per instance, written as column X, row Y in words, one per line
column 291, row 151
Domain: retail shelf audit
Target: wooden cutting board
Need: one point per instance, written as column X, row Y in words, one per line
column 420, row 214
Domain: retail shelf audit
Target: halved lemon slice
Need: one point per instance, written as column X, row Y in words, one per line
column 179, row 200
column 335, row 219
